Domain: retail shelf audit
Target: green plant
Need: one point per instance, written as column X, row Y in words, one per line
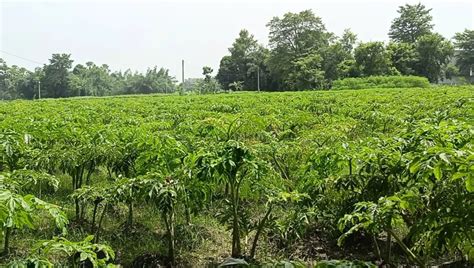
column 381, row 82
column 18, row 212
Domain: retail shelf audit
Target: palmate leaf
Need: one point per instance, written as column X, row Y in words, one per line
column 438, row 172
column 85, row 248
column 34, row 262
column 56, row 212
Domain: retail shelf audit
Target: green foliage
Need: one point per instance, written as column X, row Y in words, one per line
column 414, row 21
column 19, row 212
column 464, row 42
column 284, row 169
column 292, row 37
column 246, row 58
column 434, row 52
column 55, row 81
column 372, row 59
column 382, row 82
column 78, row 254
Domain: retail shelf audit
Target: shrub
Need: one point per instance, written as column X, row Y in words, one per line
column 381, row 82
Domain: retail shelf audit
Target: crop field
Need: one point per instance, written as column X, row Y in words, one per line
column 370, row 176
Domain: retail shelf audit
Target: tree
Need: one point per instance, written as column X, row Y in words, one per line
column 403, row 57
column 232, row 165
column 13, row 80
column 336, row 56
column 245, row 59
column 18, row 212
column 464, row 42
column 372, row 59
column 209, row 83
column 153, row 81
column 294, row 36
column 91, row 80
column 164, row 194
column 307, row 73
column 413, row 22
column 433, row 52
column 55, row 81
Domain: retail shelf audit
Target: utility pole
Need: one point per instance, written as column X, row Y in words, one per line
column 182, row 72
column 258, row 78
column 39, row 89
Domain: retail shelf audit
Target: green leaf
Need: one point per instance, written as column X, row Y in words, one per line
column 444, row 157
column 437, row 172
column 470, row 184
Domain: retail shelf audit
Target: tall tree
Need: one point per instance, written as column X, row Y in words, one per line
column 413, row 22
column 403, row 57
column 55, row 81
column 434, row 53
column 294, row 36
column 13, row 80
column 307, row 73
column 91, row 80
column 209, row 84
column 372, row 59
column 464, row 42
column 336, row 55
column 247, row 57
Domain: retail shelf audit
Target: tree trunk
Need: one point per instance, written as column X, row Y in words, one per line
column 377, row 248
column 170, row 230
column 350, row 167
column 100, row 223
column 78, row 209
column 89, row 173
column 407, row 250
column 6, row 245
column 94, row 214
column 130, row 215
column 389, row 247
column 236, row 249
column 260, row 226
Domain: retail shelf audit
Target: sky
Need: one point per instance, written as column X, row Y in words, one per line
column 138, row 34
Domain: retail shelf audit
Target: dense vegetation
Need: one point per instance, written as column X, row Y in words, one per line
column 381, row 82
column 385, row 176
column 302, row 54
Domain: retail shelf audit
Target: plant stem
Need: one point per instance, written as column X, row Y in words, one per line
column 377, row 248
column 100, row 223
column 130, row 215
column 94, row 214
column 6, row 245
column 170, row 230
column 407, row 250
column 389, row 247
column 236, row 249
column 260, row 226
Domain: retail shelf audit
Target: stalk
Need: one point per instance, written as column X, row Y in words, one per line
column 407, row 250
column 260, row 226
column 6, row 245
column 236, row 249
column 100, row 223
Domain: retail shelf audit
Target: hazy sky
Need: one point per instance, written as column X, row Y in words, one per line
column 142, row 34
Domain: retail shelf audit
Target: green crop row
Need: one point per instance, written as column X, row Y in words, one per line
column 250, row 178
column 382, row 82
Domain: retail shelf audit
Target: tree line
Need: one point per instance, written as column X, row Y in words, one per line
column 60, row 79
column 302, row 54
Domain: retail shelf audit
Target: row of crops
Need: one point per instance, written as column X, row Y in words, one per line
column 381, row 176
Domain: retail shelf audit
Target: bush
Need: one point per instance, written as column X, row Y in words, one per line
column 381, row 82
